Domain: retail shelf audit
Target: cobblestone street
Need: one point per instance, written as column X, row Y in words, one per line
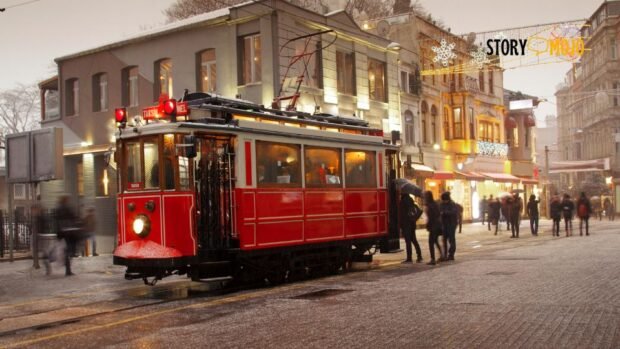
column 534, row 292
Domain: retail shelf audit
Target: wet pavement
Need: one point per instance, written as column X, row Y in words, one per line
column 531, row 292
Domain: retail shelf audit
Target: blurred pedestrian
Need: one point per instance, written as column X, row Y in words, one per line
column 494, row 213
column 568, row 207
column 506, row 203
column 484, row 206
column 90, row 226
column 38, row 228
column 516, row 207
column 449, row 220
column 488, row 210
column 67, row 229
column 409, row 215
column 433, row 225
column 584, row 210
column 532, row 213
column 555, row 211
column 609, row 209
column 459, row 216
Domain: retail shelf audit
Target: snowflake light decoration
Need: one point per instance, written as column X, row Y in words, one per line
column 479, row 57
column 444, row 53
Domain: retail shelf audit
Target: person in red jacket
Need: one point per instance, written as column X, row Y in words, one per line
column 584, row 210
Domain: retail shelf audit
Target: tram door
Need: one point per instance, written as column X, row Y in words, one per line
column 214, row 192
column 392, row 167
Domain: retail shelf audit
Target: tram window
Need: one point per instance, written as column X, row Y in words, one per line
column 184, row 179
column 322, row 167
column 169, row 153
column 151, row 164
column 134, row 165
column 278, row 165
column 360, row 168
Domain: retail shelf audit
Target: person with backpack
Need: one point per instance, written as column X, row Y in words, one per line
column 584, row 210
column 409, row 215
column 555, row 211
column 449, row 219
column 532, row 212
column 568, row 207
column 433, row 225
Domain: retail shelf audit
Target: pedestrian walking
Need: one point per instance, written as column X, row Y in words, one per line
column 506, row 203
column 532, row 213
column 516, row 207
column 584, row 210
column 483, row 208
column 409, row 215
column 568, row 207
column 488, row 210
column 459, row 217
column 494, row 213
column 67, row 229
column 90, row 226
column 555, row 211
column 433, row 225
column 609, row 209
column 449, row 220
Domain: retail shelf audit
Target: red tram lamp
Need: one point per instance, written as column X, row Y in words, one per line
column 120, row 115
column 170, row 109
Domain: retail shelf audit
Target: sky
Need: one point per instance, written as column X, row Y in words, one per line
column 33, row 34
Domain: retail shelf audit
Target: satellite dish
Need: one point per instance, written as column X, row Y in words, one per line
column 383, row 28
column 471, row 37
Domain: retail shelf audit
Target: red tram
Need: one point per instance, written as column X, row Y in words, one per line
column 225, row 187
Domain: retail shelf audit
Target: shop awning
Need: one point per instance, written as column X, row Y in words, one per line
column 501, row 177
column 510, row 122
column 470, row 176
column 443, row 175
column 529, row 121
column 420, row 170
column 529, row 180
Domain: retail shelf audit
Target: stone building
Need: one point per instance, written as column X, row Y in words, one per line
column 242, row 51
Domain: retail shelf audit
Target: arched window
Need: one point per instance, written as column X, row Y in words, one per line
column 409, row 127
column 424, row 122
column 446, row 123
column 434, row 123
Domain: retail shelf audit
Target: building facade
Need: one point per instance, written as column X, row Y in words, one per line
column 248, row 52
column 588, row 104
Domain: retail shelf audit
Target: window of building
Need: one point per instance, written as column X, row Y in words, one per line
column 457, row 117
column 19, row 191
column 424, row 108
column 527, row 137
column 163, row 78
column 360, row 169
column 102, row 184
column 434, row 124
column 404, row 81
column 616, row 87
column 481, row 80
column 278, row 164
column 491, row 86
column 345, row 70
column 446, row 123
column 100, row 92
column 72, row 98
column 377, row 80
column 207, row 71
column 613, row 48
column 322, row 166
column 250, row 59
column 130, row 86
column 472, row 128
column 309, row 65
column 414, row 82
column 409, row 127
column 52, row 103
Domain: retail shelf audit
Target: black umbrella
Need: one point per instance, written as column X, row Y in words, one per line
column 407, row 187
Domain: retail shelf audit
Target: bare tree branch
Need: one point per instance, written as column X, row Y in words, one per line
column 19, row 110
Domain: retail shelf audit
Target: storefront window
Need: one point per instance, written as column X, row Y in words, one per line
column 322, row 167
column 278, row 165
column 360, row 169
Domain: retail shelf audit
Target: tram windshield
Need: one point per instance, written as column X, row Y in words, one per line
column 153, row 163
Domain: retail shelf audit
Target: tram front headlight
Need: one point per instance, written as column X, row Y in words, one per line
column 141, row 225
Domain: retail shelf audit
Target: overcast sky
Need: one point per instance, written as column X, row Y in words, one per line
column 33, row 34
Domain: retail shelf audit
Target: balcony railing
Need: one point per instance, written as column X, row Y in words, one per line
column 469, row 85
column 496, row 150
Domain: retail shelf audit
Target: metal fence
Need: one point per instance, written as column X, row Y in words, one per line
column 21, row 227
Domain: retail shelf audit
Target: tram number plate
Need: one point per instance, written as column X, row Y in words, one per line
column 182, row 109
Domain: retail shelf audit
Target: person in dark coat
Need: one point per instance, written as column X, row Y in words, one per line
column 568, row 207
column 433, row 225
column 459, row 217
column 532, row 212
column 449, row 220
column 67, row 222
column 494, row 213
column 555, row 211
column 584, row 210
column 505, row 210
column 515, row 215
column 484, row 206
column 409, row 215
